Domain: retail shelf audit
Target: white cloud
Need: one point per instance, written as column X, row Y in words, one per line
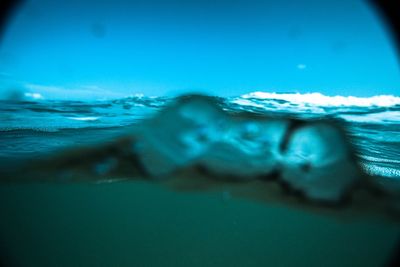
column 91, row 92
column 301, row 66
column 35, row 96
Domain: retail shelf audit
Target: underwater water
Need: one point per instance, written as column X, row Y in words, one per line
column 141, row 224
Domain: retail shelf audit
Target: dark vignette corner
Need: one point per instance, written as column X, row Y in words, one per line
column 386, row 9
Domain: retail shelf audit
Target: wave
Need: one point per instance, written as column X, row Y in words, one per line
column 29, row 129
column 374, row 127
column 53, row 130
column 318, row 99
column 381, row 117
column 84, row 118
column 388, row 172
column 194, row 144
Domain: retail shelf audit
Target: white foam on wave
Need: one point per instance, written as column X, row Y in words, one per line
column 283, row 107
column 383, row 160
column 245, row 102
column 84, row 118
column 319, row 99
column 381, row 171
column 381, row 117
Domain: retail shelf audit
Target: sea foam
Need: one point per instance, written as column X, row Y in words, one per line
column 319, row 99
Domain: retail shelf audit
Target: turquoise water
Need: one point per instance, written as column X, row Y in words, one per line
column 135, row 223
column 140, row 224
column 34, row 127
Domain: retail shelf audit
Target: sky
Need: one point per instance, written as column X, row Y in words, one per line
column 106, row 49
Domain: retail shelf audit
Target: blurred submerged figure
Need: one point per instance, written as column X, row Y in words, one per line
column 195, row 144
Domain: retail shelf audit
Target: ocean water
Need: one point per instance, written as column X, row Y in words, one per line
column 31, row 128
column 136, row 223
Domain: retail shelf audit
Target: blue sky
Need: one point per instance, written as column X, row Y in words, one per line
column 90, row 49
